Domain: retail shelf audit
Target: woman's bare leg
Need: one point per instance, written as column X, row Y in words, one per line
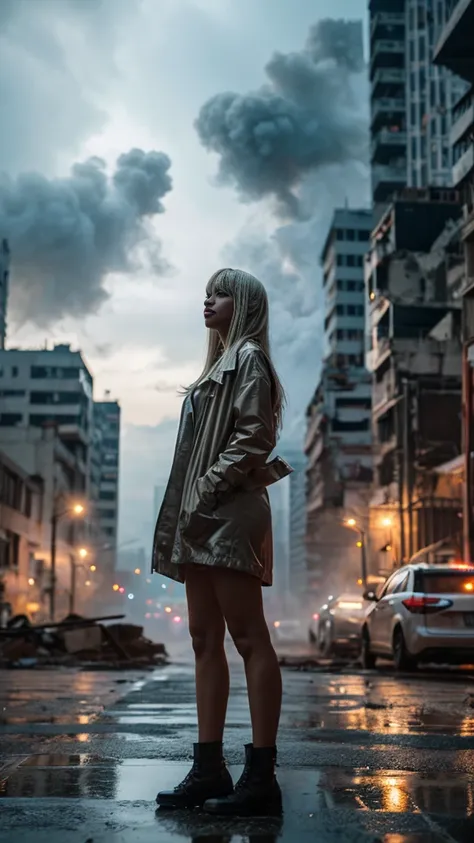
column 207, row 630
column 240, row 600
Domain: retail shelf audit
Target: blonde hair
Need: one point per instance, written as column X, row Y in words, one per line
column 249, row 322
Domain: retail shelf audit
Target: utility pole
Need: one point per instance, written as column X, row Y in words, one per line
column 467, row 424
column 52, row 590
column 72, row 590
column 408, row 460
column 363, row 559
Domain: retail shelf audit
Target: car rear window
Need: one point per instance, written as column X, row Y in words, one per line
column 461, row 582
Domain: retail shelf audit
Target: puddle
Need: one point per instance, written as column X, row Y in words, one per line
column 87, row 776
column 387, row 721
column 42, row 718
column 79, row 760
column 396, row 792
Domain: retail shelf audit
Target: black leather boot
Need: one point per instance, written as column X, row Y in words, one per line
column 257, row 793
column 208, row 778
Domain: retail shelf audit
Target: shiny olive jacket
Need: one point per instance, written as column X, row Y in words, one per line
column 216, row 510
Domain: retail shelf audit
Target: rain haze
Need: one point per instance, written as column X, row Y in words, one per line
column 159, row 142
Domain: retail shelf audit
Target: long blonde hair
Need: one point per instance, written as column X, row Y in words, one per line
column 249, row 322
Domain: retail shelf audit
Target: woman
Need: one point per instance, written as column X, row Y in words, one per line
column 214, row 534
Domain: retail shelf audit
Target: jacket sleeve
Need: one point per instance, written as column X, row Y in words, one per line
column 253, row 437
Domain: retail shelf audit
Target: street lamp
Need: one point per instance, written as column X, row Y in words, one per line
column 76, row 509
column 351, row 523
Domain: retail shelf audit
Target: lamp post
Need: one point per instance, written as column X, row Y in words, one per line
column 56, row 515
column 352, row 524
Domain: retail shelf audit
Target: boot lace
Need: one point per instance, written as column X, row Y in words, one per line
column 187, row 779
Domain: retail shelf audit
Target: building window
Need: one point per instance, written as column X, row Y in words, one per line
column 351, row 260
column 38, row 420
column 56, row 398
column 340, row 260
column 14, row 371
column 107, row 496
column 107, row 513
column 363, row 236
column 108, row 531
column 340, row 309
column 339, row 234
column 12, row 393
column 351, row 286
column 10, row 419
column 45, row 372
column 350, row 234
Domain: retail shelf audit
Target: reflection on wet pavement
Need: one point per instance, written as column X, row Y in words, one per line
column 397, row 792
column 100, row 782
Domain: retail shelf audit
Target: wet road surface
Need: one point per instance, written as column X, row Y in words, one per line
column 363, row 757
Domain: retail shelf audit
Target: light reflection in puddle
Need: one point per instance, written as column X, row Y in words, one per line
column 402, row 792
column 386, row 722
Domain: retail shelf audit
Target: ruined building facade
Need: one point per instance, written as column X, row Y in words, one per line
column 414, row 355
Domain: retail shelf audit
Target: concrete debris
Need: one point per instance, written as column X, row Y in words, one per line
column 78, row 641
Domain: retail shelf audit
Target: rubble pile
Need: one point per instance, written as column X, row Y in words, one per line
column 77, row 641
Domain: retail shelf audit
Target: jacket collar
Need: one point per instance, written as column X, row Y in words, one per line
column 228, row 362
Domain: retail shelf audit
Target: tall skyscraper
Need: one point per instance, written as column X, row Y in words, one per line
column 107, row 422
column 338, row 442
column 411, row 99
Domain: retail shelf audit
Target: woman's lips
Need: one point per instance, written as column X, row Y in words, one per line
column 208, row 312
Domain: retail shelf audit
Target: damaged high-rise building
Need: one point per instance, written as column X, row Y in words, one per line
column 414, row 355
column 338, row 440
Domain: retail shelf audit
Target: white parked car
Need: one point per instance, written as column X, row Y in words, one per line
column 422, row 613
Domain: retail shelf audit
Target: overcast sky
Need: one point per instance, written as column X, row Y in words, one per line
column 98, row 78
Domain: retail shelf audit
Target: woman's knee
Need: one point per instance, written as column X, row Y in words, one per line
column 207, row 638
column 249, row 640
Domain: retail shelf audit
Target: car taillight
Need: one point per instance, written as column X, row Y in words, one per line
column 420, row 604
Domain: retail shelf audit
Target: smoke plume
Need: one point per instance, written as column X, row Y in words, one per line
column 307, row 117
column 68, row 234
column 302, row 140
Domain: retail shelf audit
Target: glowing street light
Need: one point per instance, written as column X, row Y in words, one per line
column 31, row 581
column 115, row 587
column 88, row 582
column 137, row 571
column 83, row 552
column 56, row 514
column 93, row 568
column 387, row 521
column 168, row 610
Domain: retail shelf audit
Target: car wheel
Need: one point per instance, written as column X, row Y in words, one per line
column 369, row 660
column 402, row 659
column 325, row 645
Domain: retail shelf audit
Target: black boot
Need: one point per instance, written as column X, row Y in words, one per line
column 208, row 778
column 257, row 793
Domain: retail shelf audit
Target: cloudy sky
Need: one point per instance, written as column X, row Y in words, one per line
column 146, row 143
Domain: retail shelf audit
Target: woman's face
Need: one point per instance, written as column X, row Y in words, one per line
column 218, row 311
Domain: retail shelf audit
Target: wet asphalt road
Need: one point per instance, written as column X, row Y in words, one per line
column 363, row 757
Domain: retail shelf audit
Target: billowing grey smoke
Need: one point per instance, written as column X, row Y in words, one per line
column 68, row 234
column 306, row 118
